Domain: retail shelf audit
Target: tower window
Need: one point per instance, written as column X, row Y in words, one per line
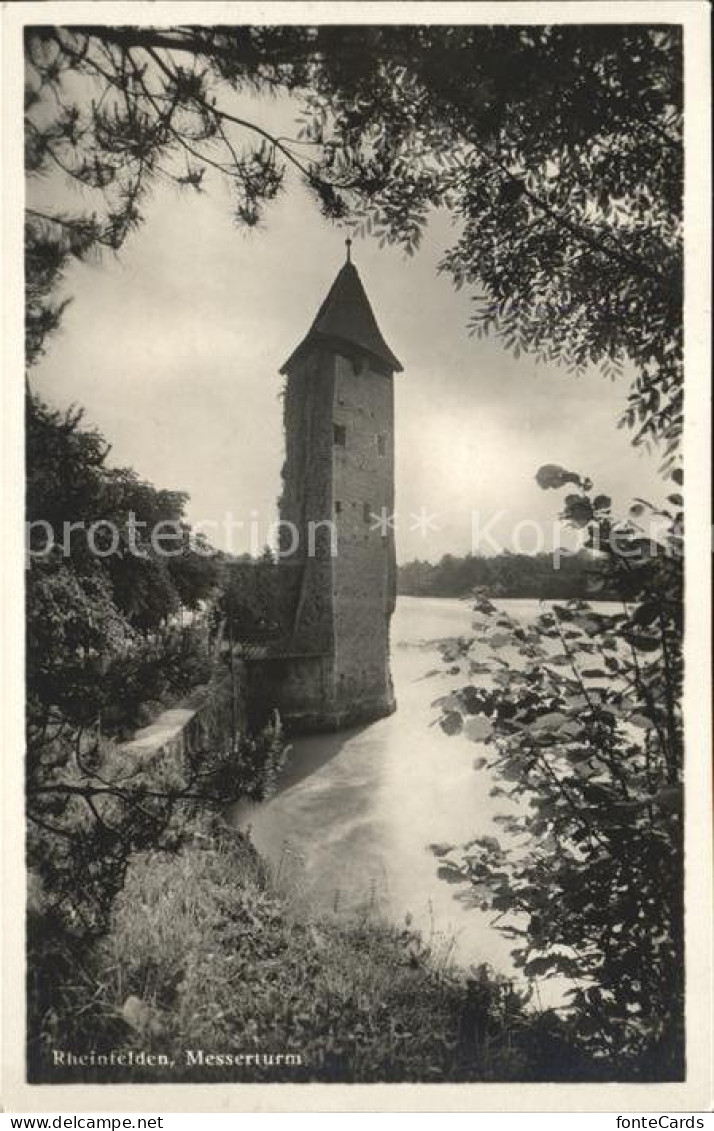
column 339, row 435
column 367, row 512
column 338, row 506
column 381, row 444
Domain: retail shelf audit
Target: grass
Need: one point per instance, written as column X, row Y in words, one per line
column 203, row 954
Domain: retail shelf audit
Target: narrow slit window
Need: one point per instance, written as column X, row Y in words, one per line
column 381, row 444
column 367, row 512
column 339, row 435
column 338, row 506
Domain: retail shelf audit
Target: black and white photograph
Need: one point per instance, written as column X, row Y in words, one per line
column 365, row 700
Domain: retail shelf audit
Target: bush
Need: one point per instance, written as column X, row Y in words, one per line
column 581, row 712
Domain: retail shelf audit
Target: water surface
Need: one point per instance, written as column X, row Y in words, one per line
column 355, row 812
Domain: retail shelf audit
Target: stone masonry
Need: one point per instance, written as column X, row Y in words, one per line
column 331, row 667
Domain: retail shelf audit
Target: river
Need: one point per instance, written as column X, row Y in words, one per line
column 354, row 814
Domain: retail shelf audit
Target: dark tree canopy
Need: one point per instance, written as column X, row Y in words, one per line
column 558, row 151
column 102, row 567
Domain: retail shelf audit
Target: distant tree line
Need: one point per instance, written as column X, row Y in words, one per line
column 506, row 575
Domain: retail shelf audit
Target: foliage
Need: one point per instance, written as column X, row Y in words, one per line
column 92, row 804
column 580, row 713
column 104, row 523
column 100, row 581
column 250, row 600
column 103, row 654
column 118, row 109
column 503, row 575
column 204, row 954
column 556, row 149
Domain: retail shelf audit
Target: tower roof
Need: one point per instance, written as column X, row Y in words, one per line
column 346, row 317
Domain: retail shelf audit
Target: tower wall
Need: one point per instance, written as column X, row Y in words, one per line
column 306, row 500
column 330, row 665
column 334, row 669
column 363, row 496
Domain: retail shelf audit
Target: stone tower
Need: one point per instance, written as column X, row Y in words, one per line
column 337, row 568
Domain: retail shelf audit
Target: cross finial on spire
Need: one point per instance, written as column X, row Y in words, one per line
column 348, row 245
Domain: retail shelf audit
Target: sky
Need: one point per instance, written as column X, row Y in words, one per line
column 173, row 347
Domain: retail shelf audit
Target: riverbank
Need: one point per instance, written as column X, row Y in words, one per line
column 208, row 975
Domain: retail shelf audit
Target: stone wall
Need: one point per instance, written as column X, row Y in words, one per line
column 333, row 668
column 307, row 496
column 363, row 490
column 203, row 720
column 300, row 687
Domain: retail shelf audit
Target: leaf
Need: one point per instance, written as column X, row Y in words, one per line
column 571, row 729
column 451, row 723
column 537, row 966
column 643, row 643
column 499, row 640
column 640, row 721
column 478, row 728
column 550, row 721
column 502, row 902
column 448, row 703
column 578, row 510
column 550, row 476
column 552, row 964
column 450, row 873
column 646, row 614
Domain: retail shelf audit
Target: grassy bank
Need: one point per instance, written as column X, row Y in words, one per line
column 204, row 955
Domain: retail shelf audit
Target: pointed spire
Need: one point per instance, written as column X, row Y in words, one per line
column 346, row 317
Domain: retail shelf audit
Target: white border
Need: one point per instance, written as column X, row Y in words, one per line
column 697, row 1093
